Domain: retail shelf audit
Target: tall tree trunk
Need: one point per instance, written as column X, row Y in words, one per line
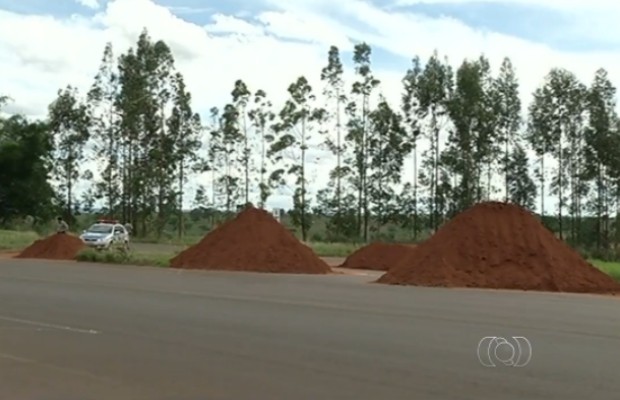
column 489, row 176
column 246, row 151
column 365, row 168
column 542, row 186
column 415, row 189
column 304, row 226
column 338, row 155
column 560, row 189
column 228, row 182
column 181, row 187
column 506, row 163
column 69, row 197
column 262, row 167
column 599, row 206
column 436, row 172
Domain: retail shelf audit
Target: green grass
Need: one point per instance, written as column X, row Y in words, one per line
column 609, row 267
column 333, row 249
column 131, row 258
column 16, row 240
column 184, row 241
column 322, row 249
column 11, row 240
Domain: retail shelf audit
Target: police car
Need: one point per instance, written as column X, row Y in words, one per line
column 104, row 234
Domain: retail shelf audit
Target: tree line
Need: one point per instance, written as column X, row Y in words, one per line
column 461, row 130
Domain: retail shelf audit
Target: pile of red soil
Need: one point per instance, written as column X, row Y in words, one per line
column 253, row 241
column 55, row 247
column 501, row 246
column 377, row 256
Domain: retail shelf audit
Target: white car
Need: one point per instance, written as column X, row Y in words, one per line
column 104, row 234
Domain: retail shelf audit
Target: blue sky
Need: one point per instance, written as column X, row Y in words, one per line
column 553, row 27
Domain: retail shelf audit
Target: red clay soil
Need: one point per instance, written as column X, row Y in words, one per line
column 500, row 246
column 55, row 247
column 377, row 256
column 253, row 241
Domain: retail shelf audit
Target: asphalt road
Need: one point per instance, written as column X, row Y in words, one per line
column 80, row 331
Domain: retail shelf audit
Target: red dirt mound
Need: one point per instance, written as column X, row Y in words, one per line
column 377, row 256
column 501, row 246
column 55, row 247
column 253, row 241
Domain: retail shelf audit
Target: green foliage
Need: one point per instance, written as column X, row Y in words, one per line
column 610, row 268
column 16, row 240
column 388, row 146
column 262, row 118
column 298, row 119
column 69, row 123
column 521, row 188
column 115, row 257
column 25, row 150
column 358, row 110
column 398, row 173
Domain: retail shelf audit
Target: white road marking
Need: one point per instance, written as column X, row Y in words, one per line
column 55, row 367
column 52, row 326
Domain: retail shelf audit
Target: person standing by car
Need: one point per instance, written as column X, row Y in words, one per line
column 61, row 226
column 129, row 228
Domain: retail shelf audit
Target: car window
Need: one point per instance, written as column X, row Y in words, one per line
column 100, row 228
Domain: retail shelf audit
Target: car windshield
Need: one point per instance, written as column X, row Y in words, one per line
column 100, row 228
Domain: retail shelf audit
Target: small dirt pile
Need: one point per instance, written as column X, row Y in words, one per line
column 253, row 241
column 501, row 246
column 56, row 247
column 377, row 256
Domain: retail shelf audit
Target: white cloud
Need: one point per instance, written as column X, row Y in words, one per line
column 556, row 4
column 92, row 4
column 593, row 20
column 268, row 50
column 232, row 25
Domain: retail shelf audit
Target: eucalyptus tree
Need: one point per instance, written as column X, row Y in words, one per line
column 600, row 153
column 105, row 131
column 412, row 112
column 241, row 97
column 69, row 123
column 358, row 110
column 556, row 128
column 298, row 120
column 435, row 87
column 388, row 145
column 262, row 118
column 508, row 109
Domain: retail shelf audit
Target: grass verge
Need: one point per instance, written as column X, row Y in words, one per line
column 185, row 241
column 609, row 267
column 333, row 249
column 327, row 250
column 16, row 240
column 131, row 258
column 322, row 249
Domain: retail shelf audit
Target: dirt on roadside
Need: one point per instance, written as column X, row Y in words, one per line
column 378, row 256
column 55, row 247
column 253, row 241
column 501, row 246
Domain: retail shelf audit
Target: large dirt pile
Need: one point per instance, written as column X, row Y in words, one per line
column 54, row 247
column 377, row 256
column 502, row 246
column 253, row 241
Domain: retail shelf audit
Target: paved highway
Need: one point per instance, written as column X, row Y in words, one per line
column 81, row 331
